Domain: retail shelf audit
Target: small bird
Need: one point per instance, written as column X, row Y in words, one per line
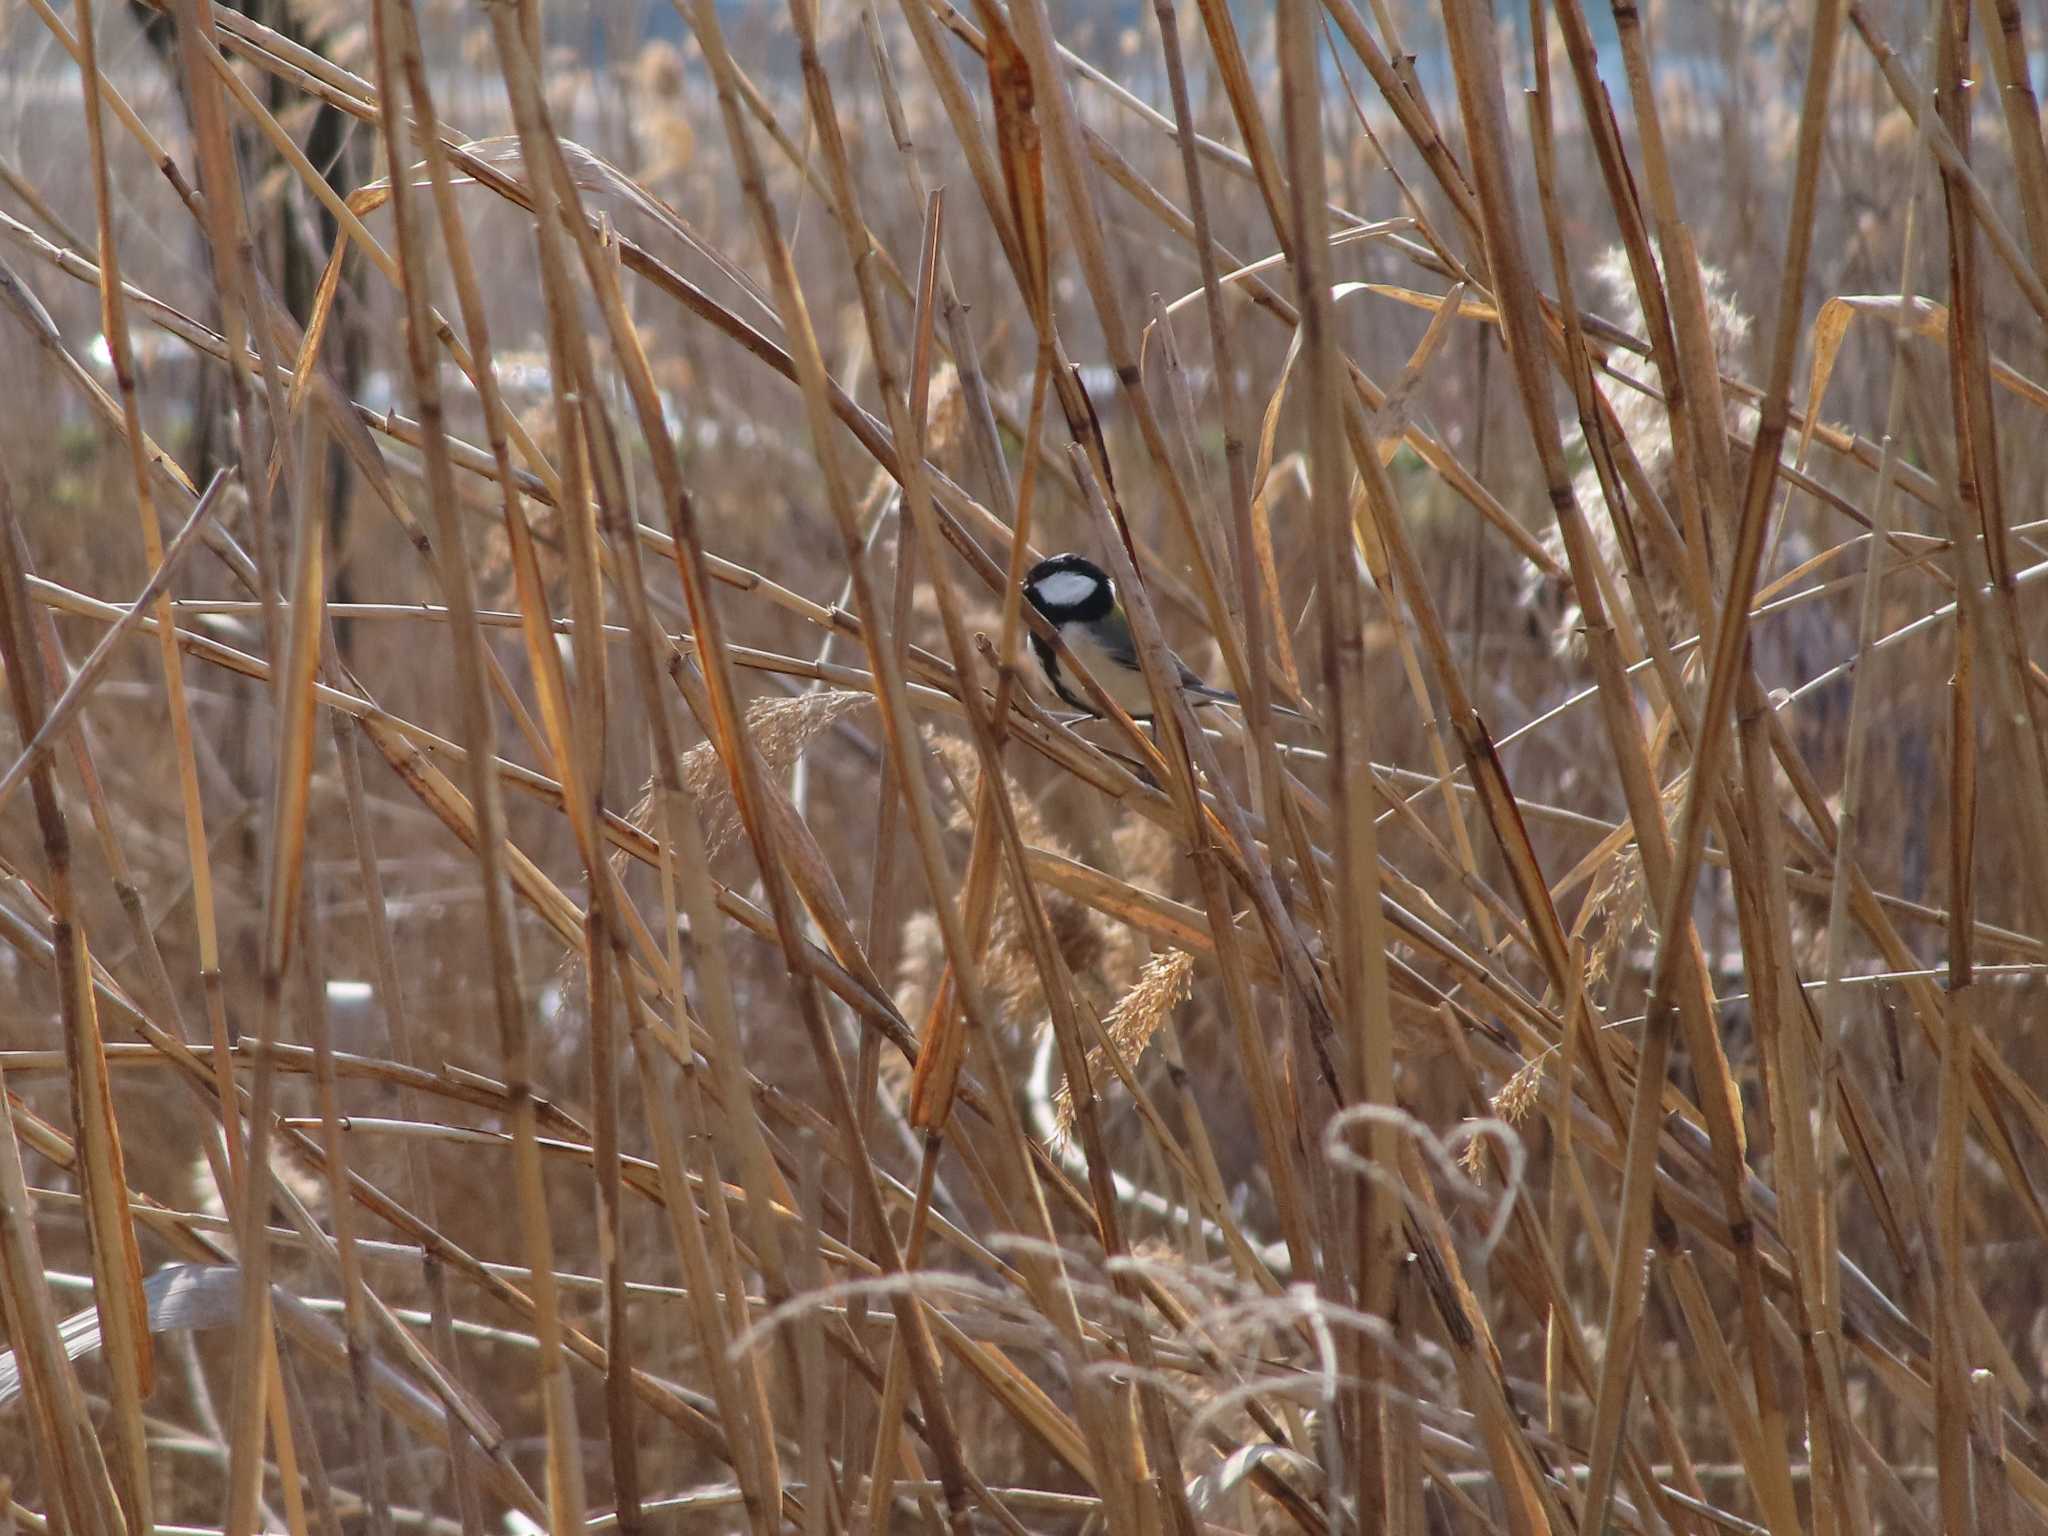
column 1079, row 600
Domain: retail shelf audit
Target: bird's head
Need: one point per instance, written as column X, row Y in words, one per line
column 1070, row 589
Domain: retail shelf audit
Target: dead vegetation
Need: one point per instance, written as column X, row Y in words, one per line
column 561, row 978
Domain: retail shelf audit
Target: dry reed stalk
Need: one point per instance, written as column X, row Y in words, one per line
column 1251, row 599
column 1256, row 586
column 368, row 1439
column 1023, row 165
column 144, row 453
column 403, row 52
column 938, row 1060
column 131, row 1355
column 1371, row 1213
column 880, row 1428
column 1978, row 501
column 570, row 361
column 406, row 49
column 390, row 987
column 66, row 1446
column 937, row 289
column 810, row 364
column 1021, row 174
column 564, row 1461
column 257, row 1381
column 1478, row 98
column 79, row 688
column 1853, row 789
column 737, row 1403
column 2023, row 121
column 1772, row 931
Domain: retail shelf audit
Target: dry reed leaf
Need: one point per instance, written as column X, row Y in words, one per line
column 1023, row 162
column 1262, row 527
column 1391, row 419
column 1925, row 318
column 945, row 415
column 117, row 1262
column 1374, row 231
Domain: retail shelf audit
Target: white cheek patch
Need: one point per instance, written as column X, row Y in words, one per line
column 1065, row 589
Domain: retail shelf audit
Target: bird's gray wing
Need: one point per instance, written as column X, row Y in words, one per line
column 1113, row 634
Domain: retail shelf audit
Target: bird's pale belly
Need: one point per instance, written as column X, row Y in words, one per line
column 1115, row 675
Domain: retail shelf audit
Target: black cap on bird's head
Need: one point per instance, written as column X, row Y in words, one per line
column 1069, row 588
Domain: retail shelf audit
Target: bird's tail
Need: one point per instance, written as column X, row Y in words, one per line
column 1224, row 696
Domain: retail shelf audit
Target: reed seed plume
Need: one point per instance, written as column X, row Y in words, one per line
column 1163, row 985
column 782, row 729
column 1091, row 946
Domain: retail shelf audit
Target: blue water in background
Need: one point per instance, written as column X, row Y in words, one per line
column 1094, row 29
column 1108, row 18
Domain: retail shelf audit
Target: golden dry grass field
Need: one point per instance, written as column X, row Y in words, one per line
column 563, row 972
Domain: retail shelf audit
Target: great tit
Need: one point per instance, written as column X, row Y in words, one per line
column 1079, row 600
